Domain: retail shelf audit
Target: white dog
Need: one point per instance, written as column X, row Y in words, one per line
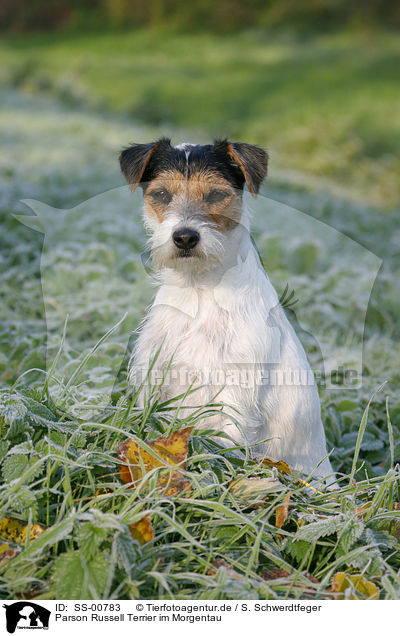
column 216, row 323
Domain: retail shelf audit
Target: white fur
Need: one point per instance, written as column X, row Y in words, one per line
column 217, row 312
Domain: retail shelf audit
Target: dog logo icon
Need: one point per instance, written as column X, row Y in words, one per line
column 26, row 615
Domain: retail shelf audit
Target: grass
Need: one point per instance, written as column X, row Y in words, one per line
column 64, row 402
column 213, row 543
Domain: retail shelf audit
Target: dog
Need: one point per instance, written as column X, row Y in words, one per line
column 216, row 332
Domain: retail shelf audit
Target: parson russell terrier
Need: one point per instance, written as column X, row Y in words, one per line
column 216, row 322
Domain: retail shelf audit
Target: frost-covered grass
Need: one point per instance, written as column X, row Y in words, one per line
column 60, row 430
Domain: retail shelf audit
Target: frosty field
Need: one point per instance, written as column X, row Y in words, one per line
column 79, row 270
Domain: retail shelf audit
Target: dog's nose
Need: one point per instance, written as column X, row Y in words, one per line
column 185, row 238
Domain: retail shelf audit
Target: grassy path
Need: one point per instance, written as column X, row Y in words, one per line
column 326, row 105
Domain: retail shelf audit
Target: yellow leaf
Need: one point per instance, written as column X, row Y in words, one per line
column 359, row 588
column 16, row 531
column 282, row 512
column 281, row 466
column 305, row 483
column 142, row 530
column 170, row 450
column 7, row 552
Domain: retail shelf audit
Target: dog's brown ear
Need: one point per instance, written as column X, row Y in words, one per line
column 135, row 159
column 252, row 161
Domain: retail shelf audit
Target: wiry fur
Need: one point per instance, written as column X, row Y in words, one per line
column 217, row 310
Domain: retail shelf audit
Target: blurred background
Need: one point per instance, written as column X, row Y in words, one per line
column 316, row 82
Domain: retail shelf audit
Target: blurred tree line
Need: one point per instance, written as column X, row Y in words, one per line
column 215, row 15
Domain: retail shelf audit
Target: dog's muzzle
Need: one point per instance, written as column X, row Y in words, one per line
column 185, row 240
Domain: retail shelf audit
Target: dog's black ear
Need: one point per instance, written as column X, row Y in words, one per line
column 136, row 158
column 252, row 161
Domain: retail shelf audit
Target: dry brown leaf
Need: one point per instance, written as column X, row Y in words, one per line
column 170, row 450
column 219, row 564
column 359, row 587
column 282, row 512
column 275, row 573
column 278, row 573
column 16, row 531
column 142, row 530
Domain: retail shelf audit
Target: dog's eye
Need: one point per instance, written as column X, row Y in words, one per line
column 215, row 196
column 161, row 196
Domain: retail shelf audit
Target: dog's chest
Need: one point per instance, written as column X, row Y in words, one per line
column 194, row 335
column 208, row 327
column 216, row 328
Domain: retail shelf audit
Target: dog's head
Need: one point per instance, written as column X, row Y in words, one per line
column 192, row 196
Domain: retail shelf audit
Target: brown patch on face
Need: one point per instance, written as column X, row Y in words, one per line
column 203, row 193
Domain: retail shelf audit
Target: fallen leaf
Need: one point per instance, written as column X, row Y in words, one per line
column 222, row 565
column 308, row 591
column 217, row 563
column 16, row 531
column 255, row 488
column 7, row 552
column 281, row 466
column 142, row 530
column 278, row 573
column 170, row 450
column 359, row 587
column 275, row 573
column 282, row 512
